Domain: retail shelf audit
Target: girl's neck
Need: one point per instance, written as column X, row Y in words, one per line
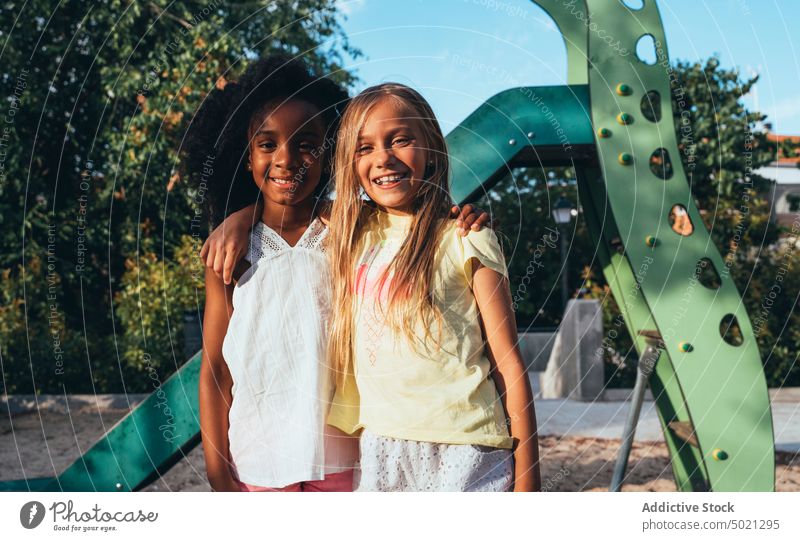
column 289, row 217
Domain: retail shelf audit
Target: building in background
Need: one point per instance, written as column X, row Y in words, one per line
column 785, row 172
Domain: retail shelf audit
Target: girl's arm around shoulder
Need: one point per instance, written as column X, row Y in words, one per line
column 224, row 250
column 493, row 298
column 469, row 218
column 215, row 385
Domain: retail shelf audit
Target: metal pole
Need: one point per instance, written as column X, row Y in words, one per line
column 564, row 286
column 643, row 371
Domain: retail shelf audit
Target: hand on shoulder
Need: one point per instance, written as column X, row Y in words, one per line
column 468, row 218
column 224, row 250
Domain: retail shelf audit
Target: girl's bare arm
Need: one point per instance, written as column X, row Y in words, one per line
column 493, row 297
column 224, row 250
column 215, row 385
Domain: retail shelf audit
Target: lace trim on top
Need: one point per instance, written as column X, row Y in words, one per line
column 266, row 242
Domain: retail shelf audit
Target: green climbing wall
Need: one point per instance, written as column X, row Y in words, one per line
column 711, row 393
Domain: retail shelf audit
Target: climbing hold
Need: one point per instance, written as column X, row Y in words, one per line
column 531, row 135
column 719, row 454
column 625, row 118
column 118, row 486
column 512, row 142
column 625, row 158
column 685, row 347
column 650, row 240
column 624, row 90
column 604, row 133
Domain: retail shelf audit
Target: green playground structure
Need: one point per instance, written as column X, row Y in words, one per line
column 614, row 123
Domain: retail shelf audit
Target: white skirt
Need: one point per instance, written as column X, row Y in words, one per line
column 394, row 465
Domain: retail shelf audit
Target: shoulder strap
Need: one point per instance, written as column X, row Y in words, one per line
column 264, row 242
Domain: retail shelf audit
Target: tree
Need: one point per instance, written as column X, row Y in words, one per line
column 730, row 145
column 101, row 94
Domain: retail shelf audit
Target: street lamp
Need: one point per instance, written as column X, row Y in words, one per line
column 562, row 214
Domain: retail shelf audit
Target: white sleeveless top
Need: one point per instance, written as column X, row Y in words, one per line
column 275, row 350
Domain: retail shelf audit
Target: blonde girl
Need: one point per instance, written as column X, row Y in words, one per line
column 423, row 335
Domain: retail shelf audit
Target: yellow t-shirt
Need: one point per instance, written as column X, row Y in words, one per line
column 422, row 392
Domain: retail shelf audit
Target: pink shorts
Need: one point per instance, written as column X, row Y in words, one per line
column 336, row 482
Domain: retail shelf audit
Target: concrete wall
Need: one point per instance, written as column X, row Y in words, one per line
column 536, row 348
column 566, row 360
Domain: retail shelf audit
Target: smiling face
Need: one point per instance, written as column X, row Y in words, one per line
column 391, row 156
column 286, row 151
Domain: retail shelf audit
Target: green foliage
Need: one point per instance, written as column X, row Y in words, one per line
column 522, row 205
column 101, row 95
column 38, row 350
column 730, row 145
column 772, row 290
column 153, row 298
column 794, row 202
column 722, row 145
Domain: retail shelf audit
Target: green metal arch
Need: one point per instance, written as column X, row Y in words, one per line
column 718, row 388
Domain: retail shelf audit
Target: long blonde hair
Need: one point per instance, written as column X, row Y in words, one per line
column 410, row 298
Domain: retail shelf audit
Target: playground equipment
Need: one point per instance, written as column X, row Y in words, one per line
column 614, row 123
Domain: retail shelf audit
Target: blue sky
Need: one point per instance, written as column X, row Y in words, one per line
column 458, row 53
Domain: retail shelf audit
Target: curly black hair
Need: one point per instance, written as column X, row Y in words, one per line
column 217, row 145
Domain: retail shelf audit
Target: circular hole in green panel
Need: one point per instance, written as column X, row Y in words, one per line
column 706, row 273
column 661, row 164
column 646, row 49
column 729, row 330
column 634, row 5
column 680, row 221
column 651, row 106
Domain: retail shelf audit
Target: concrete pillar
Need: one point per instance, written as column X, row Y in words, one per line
column 536, row 348
column 574, row 369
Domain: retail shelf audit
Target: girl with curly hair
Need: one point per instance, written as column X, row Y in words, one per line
column 265, row 385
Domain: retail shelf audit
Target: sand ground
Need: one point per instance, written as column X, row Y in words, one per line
column 41, row 444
